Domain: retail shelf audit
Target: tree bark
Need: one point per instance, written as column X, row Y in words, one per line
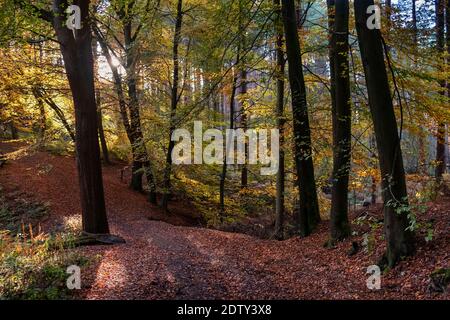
column 40, row 95
column 42, row 114
column 280, row 69
column 76, row 49
column 13, row 129
column 441, row 130
column 129, row 112
column 173, row 105
column 422, row 161
column 341, row 114
column 308, row 215
column 244, row 171
column 396, row 207
column 101, row 132
column 223, row 175
column 141, row 161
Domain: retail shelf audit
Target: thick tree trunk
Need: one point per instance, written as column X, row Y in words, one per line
column 308, row 215
column 341, row 113
column 279, row 204
column 399, row 239
column 173, row 105
column 76, row 49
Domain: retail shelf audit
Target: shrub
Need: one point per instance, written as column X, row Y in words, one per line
column 35, row 268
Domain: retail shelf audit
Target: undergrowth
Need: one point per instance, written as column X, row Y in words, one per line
column 33, row 265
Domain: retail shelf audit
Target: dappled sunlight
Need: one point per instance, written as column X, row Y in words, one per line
column 222, row 149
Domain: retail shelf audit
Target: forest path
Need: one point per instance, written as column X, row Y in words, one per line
column 161, row 260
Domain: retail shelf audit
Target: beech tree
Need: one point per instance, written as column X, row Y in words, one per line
column 308, row 215
column 280, row 69
column 76, row 49
column 174, row 98
column 441, row 162
column 341, row 114
column 124, row 14
column 399, row 237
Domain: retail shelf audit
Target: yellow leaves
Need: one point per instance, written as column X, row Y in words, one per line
column 369, row 172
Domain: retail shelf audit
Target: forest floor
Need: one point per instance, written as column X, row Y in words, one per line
column 170, row 258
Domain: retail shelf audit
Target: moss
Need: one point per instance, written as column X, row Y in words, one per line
column 440, row 279
column 442, row 273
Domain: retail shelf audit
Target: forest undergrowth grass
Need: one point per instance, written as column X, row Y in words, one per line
column 33, row 264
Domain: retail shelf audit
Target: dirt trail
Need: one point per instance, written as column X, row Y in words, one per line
column 161, row 260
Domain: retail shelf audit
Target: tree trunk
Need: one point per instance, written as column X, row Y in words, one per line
column 244, row 172
column 42, row 115
column 76, row 49
column 223, row 176
column 341, row 113
column 422, row 161
column 130, row 114
column 414, row 21
column 141, row 160
column 42, row 120
column 441, row 130
column 373, row 164
column 396, row 208
column 308, row 215
column 280, row 68
column 101, row 132
column 173, row 105
column 13, row 129
column 40, row 94
column 447, row 23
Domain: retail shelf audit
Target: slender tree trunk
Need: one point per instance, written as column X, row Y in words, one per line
column 223, row 176
column 41, row 106
column 441, row 131
column 373, row 164
column 414, row 21
column 134, row 112
column 244, row 172
column 13, row 129
column 130, row 115
column 76, row 49
column 308, row 216
column 447, row 23
column 388, row 10
column 399, row 238
column 280, row 69
column 42, row 120
column 422, row 161
column 101, row 132
column 341, row 113
column 173, row 105
column 40, row 95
